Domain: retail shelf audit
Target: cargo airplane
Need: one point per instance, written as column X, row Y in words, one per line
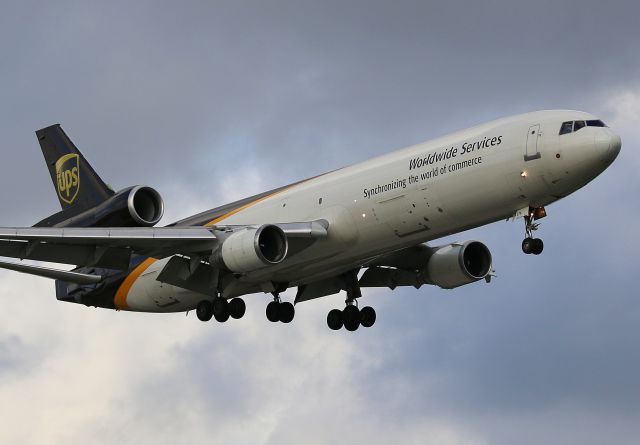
column 362, row 226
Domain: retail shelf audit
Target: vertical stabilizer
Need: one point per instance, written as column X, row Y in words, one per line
column 76, row 183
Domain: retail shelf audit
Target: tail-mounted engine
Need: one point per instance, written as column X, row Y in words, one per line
column 252, row 248
column 138, row 206
column 144, row 206
column 457, row 264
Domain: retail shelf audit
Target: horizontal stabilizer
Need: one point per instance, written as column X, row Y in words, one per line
column 46, row 272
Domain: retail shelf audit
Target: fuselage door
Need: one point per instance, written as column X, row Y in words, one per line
column 532, row 150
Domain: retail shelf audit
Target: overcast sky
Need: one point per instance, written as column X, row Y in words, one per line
column 210, row 101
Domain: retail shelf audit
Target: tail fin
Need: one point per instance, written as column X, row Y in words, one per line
column 77, row 184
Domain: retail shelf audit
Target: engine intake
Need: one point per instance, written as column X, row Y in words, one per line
column 253, row 248
column 145, row 205
column 458, row 264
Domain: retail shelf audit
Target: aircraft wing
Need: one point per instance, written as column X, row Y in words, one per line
column 112, row 247
column 105, row 247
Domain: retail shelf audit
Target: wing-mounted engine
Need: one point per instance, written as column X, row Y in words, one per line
column 241, row 250
column 457, row 264
column 252, row 248
column 448, row 266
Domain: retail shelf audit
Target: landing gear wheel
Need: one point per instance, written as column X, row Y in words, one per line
column 237, row 308
column 367, row 316
column 220, row 309
column 273, row 311
column 204, row 310
column 287, row 312
column 351, row 317
column 537, row 246
column 334, row 319
column 531, row 245
column 527, row 245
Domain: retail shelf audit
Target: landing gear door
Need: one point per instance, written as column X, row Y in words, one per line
column 532, row 148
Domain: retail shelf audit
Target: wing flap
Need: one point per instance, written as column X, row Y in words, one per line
column 110, row 258
column 46, row 272
column 389, row 277
column 192, row 275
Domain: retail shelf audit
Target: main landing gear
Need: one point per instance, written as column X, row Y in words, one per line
column 531, row 245
column 278, row 310
column 221, row 309
column 351, row 317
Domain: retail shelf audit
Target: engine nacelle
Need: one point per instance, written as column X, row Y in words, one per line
column 131, row 207
column 253, row 248
column 458, row 264
column 145, row 206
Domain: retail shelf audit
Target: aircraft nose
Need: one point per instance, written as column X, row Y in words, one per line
column 608, row 145
column 615, row 144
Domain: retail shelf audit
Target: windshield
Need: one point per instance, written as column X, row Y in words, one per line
column 573, row 126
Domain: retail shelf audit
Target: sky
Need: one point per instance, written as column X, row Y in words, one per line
column 211, row 101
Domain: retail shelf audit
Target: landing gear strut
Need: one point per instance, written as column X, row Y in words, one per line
column 531, row 245
column 351, row 317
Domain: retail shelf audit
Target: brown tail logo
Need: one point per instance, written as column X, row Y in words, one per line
column 68, row 177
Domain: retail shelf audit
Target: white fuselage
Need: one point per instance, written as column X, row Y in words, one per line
column 460, row 181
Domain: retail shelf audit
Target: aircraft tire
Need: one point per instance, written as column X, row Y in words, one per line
column 351, row 317
column 237, row 308
column 334, row 319
column 527, row 245
column 204, row 310
column 273, row 311
column 287, row 312
column 538, row 246
column 367, row 316
column 220, row 309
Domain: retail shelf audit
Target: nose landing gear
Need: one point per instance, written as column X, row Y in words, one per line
column 531, row 245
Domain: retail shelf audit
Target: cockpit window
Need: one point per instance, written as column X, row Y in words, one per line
column 567, row 127
column 571, row 126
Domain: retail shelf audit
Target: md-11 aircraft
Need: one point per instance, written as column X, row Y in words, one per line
column 362, row 226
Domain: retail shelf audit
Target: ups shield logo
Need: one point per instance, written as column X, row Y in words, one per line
column 68, row 177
